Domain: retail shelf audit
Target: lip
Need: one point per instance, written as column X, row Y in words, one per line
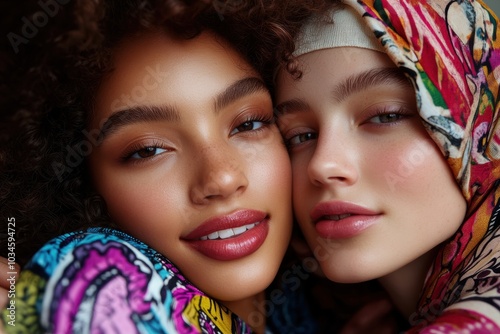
column 359, row 219
column 233, row 247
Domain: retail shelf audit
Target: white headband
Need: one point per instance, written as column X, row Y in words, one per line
column 346, row 29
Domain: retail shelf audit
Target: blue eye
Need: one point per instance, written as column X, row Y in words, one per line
column 387, row 118
column 391, row 114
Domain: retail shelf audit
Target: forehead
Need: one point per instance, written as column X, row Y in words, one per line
column 152, row 47
column 330, row 65
column 147, row 68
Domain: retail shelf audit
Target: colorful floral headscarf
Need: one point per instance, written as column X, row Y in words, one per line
column 451, row 52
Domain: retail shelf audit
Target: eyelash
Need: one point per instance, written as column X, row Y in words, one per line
column 127, row 156
column 292, row 136
column 264, row 119
column 401, row 112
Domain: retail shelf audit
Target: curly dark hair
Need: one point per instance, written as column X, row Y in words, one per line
column 51, row 63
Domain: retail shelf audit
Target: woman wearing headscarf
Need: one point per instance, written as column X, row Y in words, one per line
column 390, row 113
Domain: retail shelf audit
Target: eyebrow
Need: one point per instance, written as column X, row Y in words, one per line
column 351, row 85
column 371, row 78
column 239, row 89
column 136, row 115
column 169, row 113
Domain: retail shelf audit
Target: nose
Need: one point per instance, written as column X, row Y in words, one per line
column 218, row 175
column 333, row 161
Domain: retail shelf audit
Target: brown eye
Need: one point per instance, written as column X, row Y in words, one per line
column 247, row 126
column 250, row 126
column 146, row 152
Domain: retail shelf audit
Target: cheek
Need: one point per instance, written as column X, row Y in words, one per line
column 272, row 169
column 303, row 193
column 151, row 212
column 419, row 182
column 138, row 198
column 264, row 160
column 407, row 166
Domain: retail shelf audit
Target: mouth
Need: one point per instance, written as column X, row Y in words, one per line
column 231, row 236
column 342, row 220
column 228, row 233
column 338, row 210
column 335, row 217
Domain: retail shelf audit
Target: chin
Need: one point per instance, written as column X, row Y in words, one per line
column 341, row 274
column 246, row 282
column 243, row 289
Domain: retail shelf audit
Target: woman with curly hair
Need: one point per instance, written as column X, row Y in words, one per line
column 389, row 110
column 143, row 146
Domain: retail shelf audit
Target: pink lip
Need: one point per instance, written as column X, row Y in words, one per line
column 234, row 247
column 359, row 220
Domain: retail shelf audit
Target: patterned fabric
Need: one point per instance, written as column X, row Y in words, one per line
column 451, row 52
column 105, row 281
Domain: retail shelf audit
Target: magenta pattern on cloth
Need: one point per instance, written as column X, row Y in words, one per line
column 105, row 281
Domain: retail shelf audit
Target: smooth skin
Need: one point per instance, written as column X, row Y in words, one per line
column 162, row 177
column 208, row 161
column 194, row 140
column 355, row 138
